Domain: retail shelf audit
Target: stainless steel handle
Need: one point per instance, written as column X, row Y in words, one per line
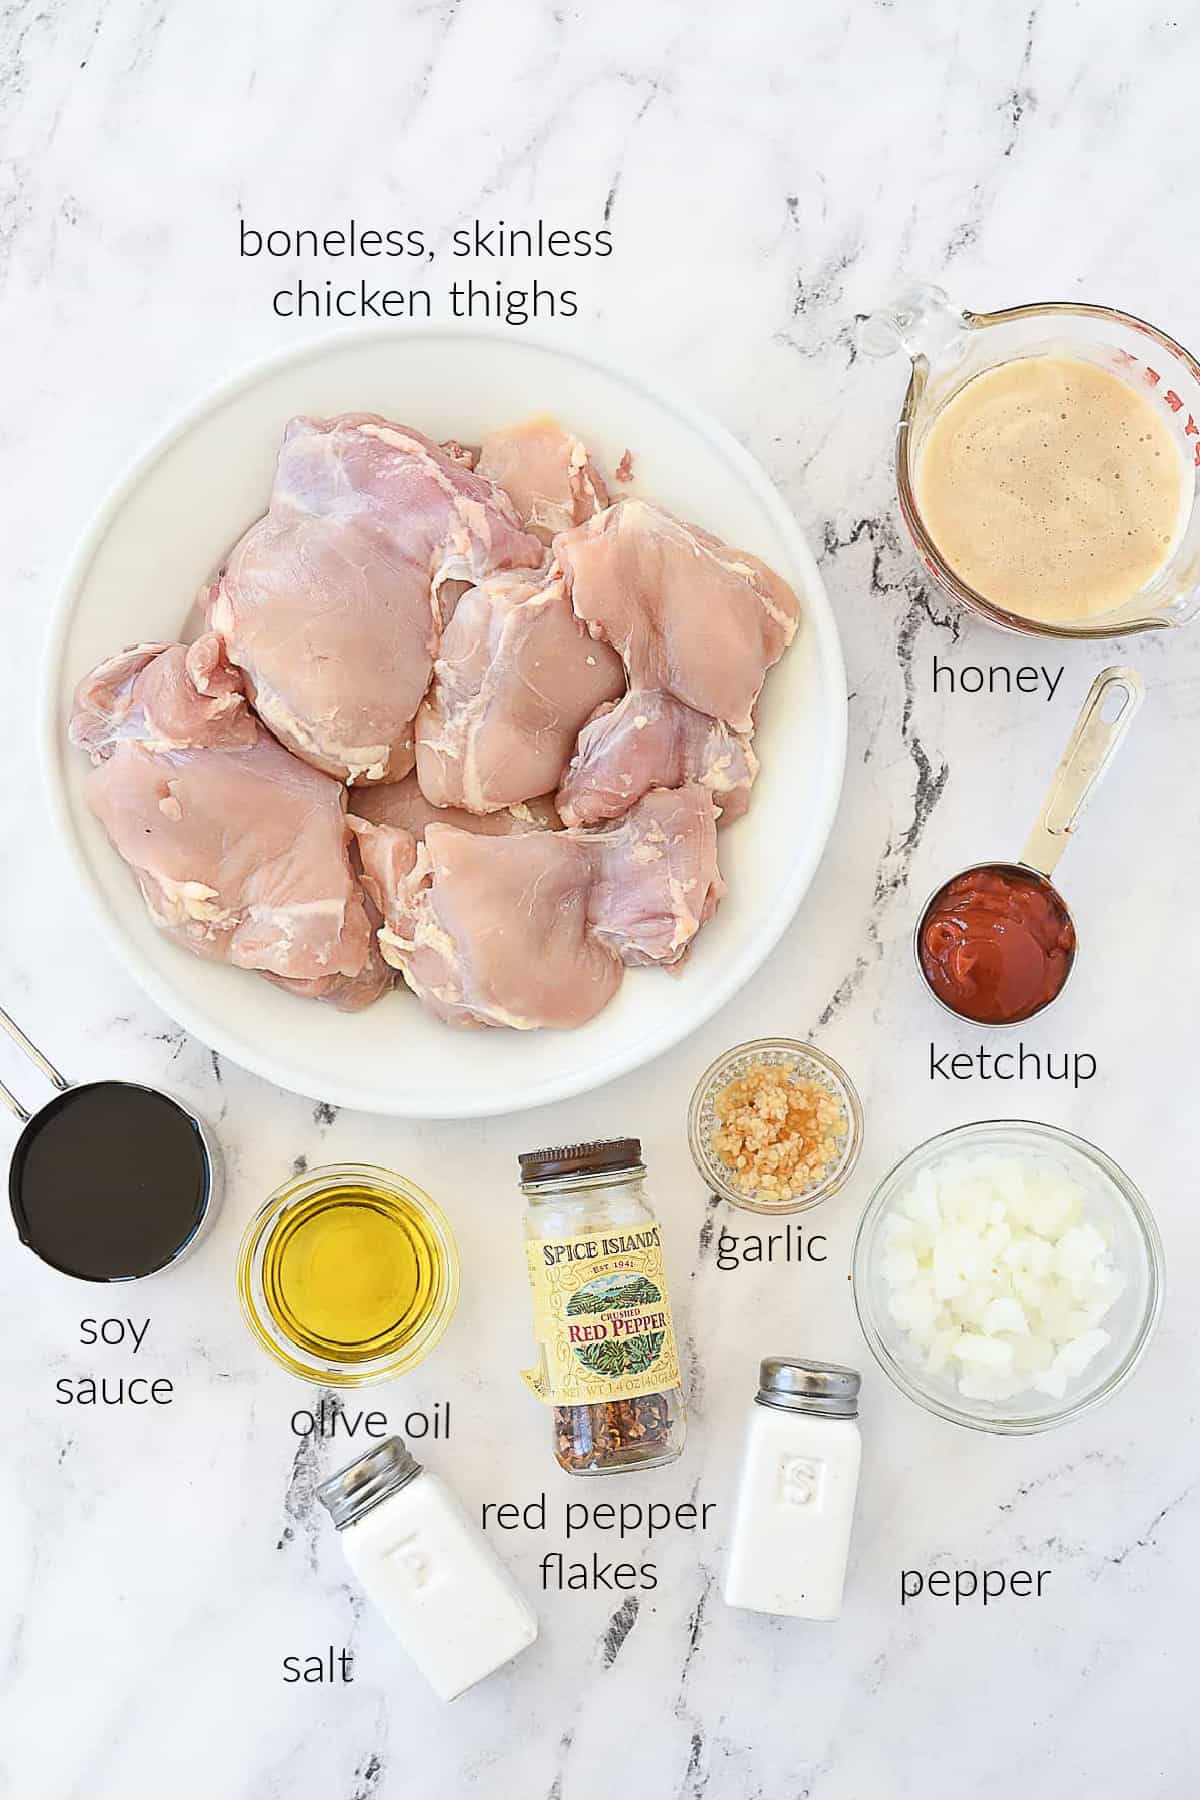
column 39, row 1062
column 13, row 1104
column 1098, row 735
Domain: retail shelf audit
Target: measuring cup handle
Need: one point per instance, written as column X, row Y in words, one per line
column 919, row 321
column 1093, row 744
column 39, row 1061
column 14, row 1106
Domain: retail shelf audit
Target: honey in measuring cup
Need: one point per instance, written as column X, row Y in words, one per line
column 1047, row 463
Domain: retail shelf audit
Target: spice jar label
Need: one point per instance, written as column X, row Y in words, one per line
column 602, row 1317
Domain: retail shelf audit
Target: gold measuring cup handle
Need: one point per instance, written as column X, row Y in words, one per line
column 39, row 1061
column 1108, row 712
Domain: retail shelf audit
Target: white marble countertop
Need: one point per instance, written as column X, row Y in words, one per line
column 766, row 176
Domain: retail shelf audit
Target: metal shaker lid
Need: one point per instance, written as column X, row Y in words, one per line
column 798, row 1385
column 354, row 1490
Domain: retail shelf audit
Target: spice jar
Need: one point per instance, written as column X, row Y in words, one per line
column 795, row 1503
column 608, row 1363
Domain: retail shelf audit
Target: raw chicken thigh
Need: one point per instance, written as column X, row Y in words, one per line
column 349, row 993
column 546, row 473
column 389, row 825
column 330, row 603
column 493, row 930
column 164, row 698
column 516, row 677
column 240, row 850
column 649, row 740
column 532, row 929
column 401, row 803
column 656, row 876
column 689, row 616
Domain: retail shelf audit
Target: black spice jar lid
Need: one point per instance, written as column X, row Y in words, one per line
column 603, row 1156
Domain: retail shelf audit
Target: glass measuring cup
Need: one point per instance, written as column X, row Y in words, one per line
column 951, row 952
column 949, row 347
column 109, row 1180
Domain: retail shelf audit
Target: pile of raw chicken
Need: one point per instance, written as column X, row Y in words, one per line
column 454, row 714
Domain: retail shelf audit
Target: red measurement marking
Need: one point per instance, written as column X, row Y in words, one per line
column 1153, row 376
column 1172, row 399
column 1191, row 429
column 1127, row 357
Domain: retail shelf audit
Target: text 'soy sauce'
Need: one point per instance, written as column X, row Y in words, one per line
column 996, row 944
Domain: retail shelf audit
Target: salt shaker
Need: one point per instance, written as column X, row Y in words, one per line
column 437, row 1581
column 795, row 1503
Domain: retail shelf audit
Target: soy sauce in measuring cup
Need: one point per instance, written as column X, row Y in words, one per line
column 109, row 1181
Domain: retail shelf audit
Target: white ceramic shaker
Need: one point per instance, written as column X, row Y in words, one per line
column 428, row 1568
column 799, row 1479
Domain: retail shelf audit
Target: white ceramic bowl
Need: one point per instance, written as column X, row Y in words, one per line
column 174, row 516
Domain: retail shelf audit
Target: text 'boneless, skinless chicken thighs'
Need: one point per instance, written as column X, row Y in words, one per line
column 241, row 851
column 330, row 603
column 455, row 715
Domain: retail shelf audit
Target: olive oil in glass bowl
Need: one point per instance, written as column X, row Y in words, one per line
column 348, row 1274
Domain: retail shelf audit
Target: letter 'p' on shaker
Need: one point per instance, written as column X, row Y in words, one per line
column 799, row 1479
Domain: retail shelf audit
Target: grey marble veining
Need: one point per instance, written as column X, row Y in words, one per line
column 769, row 173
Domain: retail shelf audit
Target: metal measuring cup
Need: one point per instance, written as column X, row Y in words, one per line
column 45, row 1206
column 1098, row 735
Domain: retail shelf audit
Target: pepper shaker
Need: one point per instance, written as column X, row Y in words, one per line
column 799, row 1479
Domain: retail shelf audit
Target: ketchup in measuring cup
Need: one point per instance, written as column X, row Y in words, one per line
column 996, row 944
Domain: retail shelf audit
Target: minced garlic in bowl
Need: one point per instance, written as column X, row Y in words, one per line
column 775, row 1126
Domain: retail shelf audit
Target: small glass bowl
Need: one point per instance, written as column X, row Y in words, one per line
column 1116, row 1205
column 303, row 1362
column 811, row 1065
